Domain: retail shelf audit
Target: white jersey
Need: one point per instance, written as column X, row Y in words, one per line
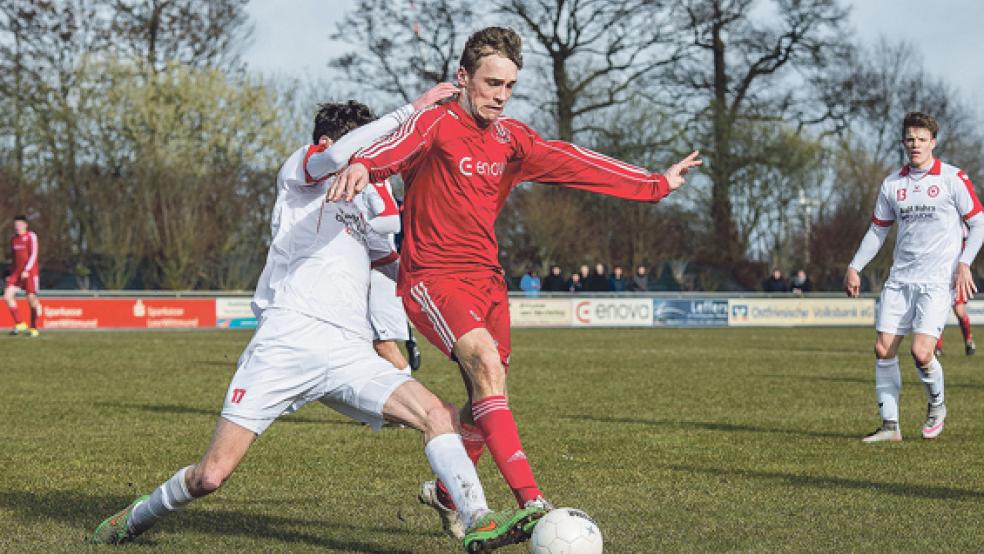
column 304, row 176
column 930, row 207
column 322, row 272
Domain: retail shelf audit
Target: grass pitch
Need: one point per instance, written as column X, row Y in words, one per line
column 674, row 440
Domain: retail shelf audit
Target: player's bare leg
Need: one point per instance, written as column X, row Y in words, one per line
column 888, row 381
column 479, row 357
column 35, row 306
column 414, row 406
column 390, row 351
column 226, row 450
column 10, row 298
column 963, row 318
column 931, row 374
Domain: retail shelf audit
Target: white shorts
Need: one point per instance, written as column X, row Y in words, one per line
column 389, row 319
column 916, row 307
column 294, row 359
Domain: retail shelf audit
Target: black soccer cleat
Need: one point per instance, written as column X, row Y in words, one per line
column 413, row 352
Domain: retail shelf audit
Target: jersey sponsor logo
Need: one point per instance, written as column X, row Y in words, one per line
column 355, row 224
column 469, row 167
column 237, row 395
column 933, row 191
column 901, row 194
column 913, row 213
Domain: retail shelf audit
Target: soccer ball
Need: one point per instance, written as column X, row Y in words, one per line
column 566, row 531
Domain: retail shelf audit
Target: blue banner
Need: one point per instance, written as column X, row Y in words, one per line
column 690, row 312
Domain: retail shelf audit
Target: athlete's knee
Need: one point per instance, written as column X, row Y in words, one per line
column 922, row 355
column 441, row 418
column 884, row 351
column 208, row 477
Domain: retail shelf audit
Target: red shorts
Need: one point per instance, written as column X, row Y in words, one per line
column 29, row 285
column 445, row 307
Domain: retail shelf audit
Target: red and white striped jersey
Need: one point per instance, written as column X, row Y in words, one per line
column 458, row 174
column 930, row 207
column 24, row 253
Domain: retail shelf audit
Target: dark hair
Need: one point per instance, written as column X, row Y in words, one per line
column 333, row 120
column 492, row 40
column 20, row 217
column 920, row 120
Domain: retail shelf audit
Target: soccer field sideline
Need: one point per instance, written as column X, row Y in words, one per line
column 673, row 440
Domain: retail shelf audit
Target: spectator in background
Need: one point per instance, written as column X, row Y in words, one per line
column 530, row 283
column 640, row 282
column 800, row 283
column 574, row 284
column 554, row 282
column 775, row 282
column 584, row 272
column 617, row 280
column 598, row 281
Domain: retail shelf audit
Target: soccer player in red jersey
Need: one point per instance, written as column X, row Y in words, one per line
column 459, row 161
column 23, row 275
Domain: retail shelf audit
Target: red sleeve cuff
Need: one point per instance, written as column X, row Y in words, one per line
column 313, row 149
column 386, row 260
column 882, row 222
column 662, row 187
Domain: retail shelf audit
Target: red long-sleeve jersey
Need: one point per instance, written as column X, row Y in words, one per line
column 24, row 254
column 458, row 174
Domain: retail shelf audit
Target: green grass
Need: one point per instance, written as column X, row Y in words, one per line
column 674, row 440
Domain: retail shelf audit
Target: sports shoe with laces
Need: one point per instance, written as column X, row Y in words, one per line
column 934, row 421
column 450, row 520
column 888, row 432
column 970, row 348
column 497, row 529
column 115, row 529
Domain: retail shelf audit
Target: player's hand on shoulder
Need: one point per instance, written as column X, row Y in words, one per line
column 852, row 283
column 349, row 182
column 434, row 95
column 675, row 174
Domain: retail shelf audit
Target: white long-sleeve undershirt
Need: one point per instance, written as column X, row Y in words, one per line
column 333, row 159
column 975, row 238
column 870, row 245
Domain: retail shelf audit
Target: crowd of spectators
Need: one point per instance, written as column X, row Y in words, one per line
column 586, row 279
column 599, row 279
column 776, row 282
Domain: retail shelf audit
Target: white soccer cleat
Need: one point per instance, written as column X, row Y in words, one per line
column 935, row 415
column 450, row 520
column 888, row 432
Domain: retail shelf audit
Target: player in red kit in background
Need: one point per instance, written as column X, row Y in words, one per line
column 459, row 162
column 23, row 275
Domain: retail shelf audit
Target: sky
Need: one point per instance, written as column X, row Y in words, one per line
column 946, row 33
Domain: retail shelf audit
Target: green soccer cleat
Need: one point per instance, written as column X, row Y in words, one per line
column 497, row 529
column 114, row 530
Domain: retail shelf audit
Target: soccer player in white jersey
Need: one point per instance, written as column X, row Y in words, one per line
column 928, row 199
column 313, row 343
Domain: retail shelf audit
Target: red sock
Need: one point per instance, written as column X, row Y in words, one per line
column 474, row 441
column 34, row 318
column 965, row 328
column 14, row 314
column 939, row 343
column 493, row 417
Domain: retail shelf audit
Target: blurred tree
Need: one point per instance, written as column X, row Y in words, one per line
column 161, row 33
column 402, row 47
column 741, row 67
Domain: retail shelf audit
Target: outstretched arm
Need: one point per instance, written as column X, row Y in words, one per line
column 569, row 165
column 327, row 160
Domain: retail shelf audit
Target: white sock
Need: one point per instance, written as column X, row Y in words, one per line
column 447, row 457
column 932, row 380
column 171, row 496
column 888, row 381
